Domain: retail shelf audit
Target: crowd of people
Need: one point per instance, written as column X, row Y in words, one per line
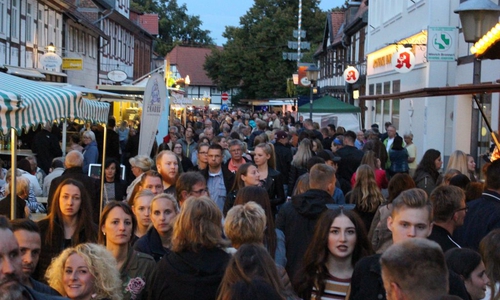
column 244, row 205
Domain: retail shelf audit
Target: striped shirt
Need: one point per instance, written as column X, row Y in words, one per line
column 335, row 288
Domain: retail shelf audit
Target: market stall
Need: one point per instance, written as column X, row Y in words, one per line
column 25, row 104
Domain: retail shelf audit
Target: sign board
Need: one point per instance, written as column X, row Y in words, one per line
column 441, row 43
column 403, row 61
column 351, row 75
column 155, row 96
column 74, row 64
column 224, row 96
column 303, row 80
column 50, row 60
column 117, row 75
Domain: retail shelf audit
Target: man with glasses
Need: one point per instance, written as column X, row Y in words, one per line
column 448, row 204
column 190, row 184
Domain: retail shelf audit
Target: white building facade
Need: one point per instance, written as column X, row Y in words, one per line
column 443, row 122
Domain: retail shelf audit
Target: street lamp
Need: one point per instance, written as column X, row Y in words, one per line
column 477, row 18
column 312, row 73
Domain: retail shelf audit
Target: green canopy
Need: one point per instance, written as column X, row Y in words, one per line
column 328, row 104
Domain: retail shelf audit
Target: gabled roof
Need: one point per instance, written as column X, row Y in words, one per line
column 334, row 22
column 190, row 61
column 149, row 22
column 71, row 10
column 359, row 19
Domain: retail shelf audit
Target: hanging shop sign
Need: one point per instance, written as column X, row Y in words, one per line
column 351, row 75
column 50, row 60
column 117, row 75
column 441, row 44
column 403, row 61
column 74, row 64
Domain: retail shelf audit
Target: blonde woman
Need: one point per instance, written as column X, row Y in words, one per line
column 271, row 179
column 87, row 271
column 458, row 161
column 299, row 163
column 366, row 195
column 197, row 262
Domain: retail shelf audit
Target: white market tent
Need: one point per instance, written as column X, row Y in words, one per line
column 25, row 103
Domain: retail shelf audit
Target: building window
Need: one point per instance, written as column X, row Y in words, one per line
column 3, row 17
column 14, row 20
column 29, row 23
column 71, row 35
column 81, row 43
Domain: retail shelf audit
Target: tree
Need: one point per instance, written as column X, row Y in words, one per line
column 252, row 56
column 175, row 25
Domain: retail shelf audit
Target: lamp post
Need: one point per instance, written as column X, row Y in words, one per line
column 477, row 18
column 312, row 73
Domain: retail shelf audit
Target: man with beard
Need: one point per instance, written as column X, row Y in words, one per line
column 27, row 235
column 11, row 287
column 168, row 167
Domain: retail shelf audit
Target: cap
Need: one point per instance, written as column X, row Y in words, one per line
column 280, row 135
column 338, row 142
column 328, row 155
column 252, row 123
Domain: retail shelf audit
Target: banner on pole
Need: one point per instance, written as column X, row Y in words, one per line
column 155, row 96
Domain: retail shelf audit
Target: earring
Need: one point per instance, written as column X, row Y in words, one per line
column 104, row 233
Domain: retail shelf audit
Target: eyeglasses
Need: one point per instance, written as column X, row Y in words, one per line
column 199, row 192
column 466, row 208
column 203, row 153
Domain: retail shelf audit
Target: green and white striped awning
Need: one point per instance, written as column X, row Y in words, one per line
column 25, row 103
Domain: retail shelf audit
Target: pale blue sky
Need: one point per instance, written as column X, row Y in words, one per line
column 217, row 14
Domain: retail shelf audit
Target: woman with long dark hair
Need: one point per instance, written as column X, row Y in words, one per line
column 468, row 264
column 68, row 224
column 398, row 156
column 116, row 228
column 427, row 173
column 247, row 175
column 251, row 262
column 114, row 187
column 339, row 242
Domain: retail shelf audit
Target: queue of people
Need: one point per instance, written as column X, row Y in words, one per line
column 230, row 207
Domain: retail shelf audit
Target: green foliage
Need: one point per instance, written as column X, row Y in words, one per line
column 252, row 56
column 175, row 25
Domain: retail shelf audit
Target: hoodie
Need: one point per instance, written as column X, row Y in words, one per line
column 297, row 220
column 189, row 275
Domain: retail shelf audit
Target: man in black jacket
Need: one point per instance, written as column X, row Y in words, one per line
column 46, row 146
column 283, row 153
column 73, row 163
column 448, row 205
column 298, row 217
